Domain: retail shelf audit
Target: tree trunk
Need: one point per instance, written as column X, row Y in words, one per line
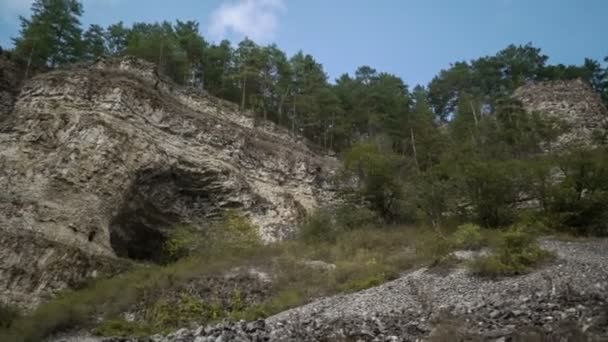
column 264, row 111
column 281, row 103
column 244, row 84
column 160, row 57
column 413, row 140
column 474, row 113
column 293, row 118
column 29, row 60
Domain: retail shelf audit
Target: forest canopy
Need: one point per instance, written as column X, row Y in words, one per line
column 460, row 145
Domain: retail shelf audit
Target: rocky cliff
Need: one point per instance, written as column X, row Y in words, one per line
column 100, row 160
column 573, row 103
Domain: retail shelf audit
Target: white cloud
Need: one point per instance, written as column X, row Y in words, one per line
column 256, row 19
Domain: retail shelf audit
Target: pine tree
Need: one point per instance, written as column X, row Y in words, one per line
column 52, row 36
column 94, row 42
column 116, row 38
column 194, row 46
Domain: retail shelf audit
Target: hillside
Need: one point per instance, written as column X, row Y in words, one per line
column 562, row 301
column 103, row 159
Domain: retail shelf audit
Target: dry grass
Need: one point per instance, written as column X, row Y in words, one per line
column 362, row 258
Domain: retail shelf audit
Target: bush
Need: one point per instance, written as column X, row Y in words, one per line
column 351, row 217
column 8, row 314
column 467, row 236
column 433, row 249
column 166, row 315
column 492, row 189
column 371, row 176
column 318, row 227
column 233, row 234
column 120, row 327
column 579, row 203
column 184, row 240
column 516, row 253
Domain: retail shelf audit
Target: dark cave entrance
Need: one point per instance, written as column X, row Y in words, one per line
column 136, row 233
column 156, row 202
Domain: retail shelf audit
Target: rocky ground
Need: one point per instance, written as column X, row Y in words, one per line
column 566, row 300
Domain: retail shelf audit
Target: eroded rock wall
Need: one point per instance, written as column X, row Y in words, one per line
column 572, row 102
column 107, row 157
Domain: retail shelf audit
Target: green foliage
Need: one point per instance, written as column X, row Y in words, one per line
column 350, row 217
column 52, row 35
column 372, row 175
column 486, row 78
column 187, row 309
column 492, row 187
column 579, row 202
column 362, row 271
column 362, row 255
column 94, row 42
column 433, row 248
column 324, row 225
column 183, row 241
column 318, row 227
column 435, row 192
column 8, row 314
column 116, row 38
column 468, row 236
column 516, row 252
column 234, row 233
column 119, row 327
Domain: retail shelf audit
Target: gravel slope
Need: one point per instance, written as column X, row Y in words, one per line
column 566, row 300
column 580, row 267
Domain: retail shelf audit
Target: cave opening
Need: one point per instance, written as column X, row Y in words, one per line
column 138, row 232
column 155, row 203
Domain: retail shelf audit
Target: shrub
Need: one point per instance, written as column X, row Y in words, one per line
column 433, row 249
column 492, row 188
column 318, row 227
column 516, row 252
column 8, row 314
column 327, row 224
column 351, row 217
column 370, row 175
column 116, row 327
column 166, row 314
column 579, row 203
column 467, row 236
column 183, row 241
column 234, row 233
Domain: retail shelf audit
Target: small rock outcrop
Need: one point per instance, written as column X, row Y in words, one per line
column 105, row 158
column 574, row 103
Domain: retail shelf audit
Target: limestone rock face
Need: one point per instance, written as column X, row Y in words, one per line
column 574, row 103
column 107, row 157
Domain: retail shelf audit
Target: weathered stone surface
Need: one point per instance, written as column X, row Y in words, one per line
column 107, row 157
column 33, row 269
column 574, row 103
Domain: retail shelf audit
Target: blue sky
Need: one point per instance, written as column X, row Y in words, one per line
column 412, row 39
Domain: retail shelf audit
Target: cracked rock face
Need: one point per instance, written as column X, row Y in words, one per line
column 107, row 157
column 572, row 102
